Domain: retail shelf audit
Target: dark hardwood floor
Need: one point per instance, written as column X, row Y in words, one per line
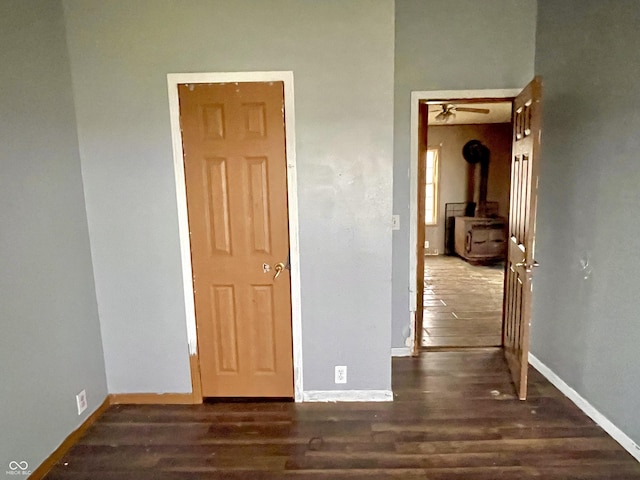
column 462, row 303
column 454, row 417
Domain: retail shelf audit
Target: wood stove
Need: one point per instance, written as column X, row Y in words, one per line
column 479, row 238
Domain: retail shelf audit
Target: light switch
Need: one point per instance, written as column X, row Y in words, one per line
column 395, row 222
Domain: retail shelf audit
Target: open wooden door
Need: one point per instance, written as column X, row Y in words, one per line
column 526, row 119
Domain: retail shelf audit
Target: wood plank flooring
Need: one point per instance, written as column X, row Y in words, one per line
column 454, row 417
column 462, row 303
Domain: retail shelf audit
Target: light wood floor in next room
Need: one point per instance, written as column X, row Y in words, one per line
column 462, row 303
column 454, row 417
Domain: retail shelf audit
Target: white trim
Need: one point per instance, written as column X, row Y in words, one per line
column 348, row 396
column 411, row 341
column 618, row 435
column 416, row 98
column 401, row 352
column 173, row 79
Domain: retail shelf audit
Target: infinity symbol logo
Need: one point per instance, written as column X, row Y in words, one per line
column 13, row 465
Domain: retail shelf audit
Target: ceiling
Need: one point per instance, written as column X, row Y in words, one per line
column 499, row 113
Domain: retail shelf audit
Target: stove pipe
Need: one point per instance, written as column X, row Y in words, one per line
column 477, row 155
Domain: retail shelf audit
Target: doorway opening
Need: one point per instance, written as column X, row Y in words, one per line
column 466, row 203
column 420, row 143
column 479, row 233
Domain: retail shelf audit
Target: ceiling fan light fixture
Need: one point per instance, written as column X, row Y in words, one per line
column 445, row 116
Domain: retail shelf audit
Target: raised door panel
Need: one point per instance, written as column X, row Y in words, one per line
column 257, row 191
column 217, row 214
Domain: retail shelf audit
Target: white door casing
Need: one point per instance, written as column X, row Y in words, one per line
column 173, row 80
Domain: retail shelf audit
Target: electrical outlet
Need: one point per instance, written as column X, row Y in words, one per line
column 341, row 374
column 426, row 244
column 395, row 222
column 81, row 401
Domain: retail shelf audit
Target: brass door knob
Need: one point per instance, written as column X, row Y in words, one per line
column 527, row 267
column 278, row 267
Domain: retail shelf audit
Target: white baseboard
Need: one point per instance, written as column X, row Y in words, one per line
column 401, row 352
column 618, row 435
column 348, row 396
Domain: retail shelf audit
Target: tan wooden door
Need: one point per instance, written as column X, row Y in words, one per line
column 235, row 168
column 522, row 229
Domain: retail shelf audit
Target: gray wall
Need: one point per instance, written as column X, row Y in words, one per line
column 50, row 346
column 447, row 45
column 341, row 54
column 586, row 329
column 454, row 170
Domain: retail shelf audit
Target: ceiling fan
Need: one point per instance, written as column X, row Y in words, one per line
column 449, row 110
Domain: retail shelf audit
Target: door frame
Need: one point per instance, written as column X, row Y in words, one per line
column 173, row 79
column 414, row 222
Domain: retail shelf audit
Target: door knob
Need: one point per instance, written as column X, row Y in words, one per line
column 278, row 267
column 528, row 267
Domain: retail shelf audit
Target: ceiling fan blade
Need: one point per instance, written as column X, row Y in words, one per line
column 472, row 110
